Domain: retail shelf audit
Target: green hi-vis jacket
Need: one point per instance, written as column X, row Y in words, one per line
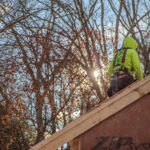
column 132, row 62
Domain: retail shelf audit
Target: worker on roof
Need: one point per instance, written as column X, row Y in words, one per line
column 123, row 65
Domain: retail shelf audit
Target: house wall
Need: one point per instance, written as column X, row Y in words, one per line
column 128, row 129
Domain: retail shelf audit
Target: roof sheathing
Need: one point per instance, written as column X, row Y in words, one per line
column 106, row 109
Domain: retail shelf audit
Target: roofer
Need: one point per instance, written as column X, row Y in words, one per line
column 123, row 65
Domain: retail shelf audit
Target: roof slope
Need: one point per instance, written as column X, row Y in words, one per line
column 106, row 109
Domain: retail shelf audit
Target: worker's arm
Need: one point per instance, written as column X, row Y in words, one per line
column 137, row 65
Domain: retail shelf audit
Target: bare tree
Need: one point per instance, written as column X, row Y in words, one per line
column 49, row 53
column 134, row 20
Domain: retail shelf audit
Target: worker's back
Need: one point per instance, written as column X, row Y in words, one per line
column 124, row 63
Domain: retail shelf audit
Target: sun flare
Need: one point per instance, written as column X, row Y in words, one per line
column 96, row 73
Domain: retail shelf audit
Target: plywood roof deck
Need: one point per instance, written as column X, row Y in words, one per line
column 106, row 109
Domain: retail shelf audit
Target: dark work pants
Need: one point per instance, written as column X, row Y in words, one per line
column 118, row 83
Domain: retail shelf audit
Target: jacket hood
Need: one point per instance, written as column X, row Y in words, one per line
column 130, row 42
